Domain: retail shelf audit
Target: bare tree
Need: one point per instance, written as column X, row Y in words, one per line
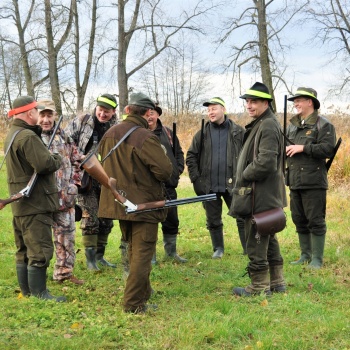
column 81, row 86
column 153, row 30
column 54, row 46
column 262, row 50
column 11, row 11
column 179, row 79
column 333, row 29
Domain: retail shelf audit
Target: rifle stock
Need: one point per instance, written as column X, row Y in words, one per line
column 15, row 197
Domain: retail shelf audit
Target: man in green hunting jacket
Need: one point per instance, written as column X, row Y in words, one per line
column 260, row 161
column 33, row 215
column 313, row 138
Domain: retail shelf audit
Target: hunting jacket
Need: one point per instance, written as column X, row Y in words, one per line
column 199, row 169
column 81, row 129
column 139, row 165
column 307, row 170
column 68, row 176
column 263, row 137
column 166, row 138
column 27, row 155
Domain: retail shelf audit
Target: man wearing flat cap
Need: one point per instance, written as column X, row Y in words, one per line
column 68, row 177
column 212, row 161
column 87, row 131
column 312, row 140
column 140, row 165
column 260, row 165
column 32, row 216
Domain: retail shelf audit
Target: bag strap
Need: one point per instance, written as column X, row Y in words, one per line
column 11, row 142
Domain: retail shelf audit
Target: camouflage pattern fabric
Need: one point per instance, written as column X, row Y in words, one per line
column 64, row 241
column 68, row 176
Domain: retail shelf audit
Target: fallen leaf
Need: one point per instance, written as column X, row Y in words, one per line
column 264, row 302
column 76, row 325
column 67, row 336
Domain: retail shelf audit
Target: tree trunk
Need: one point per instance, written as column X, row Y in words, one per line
column 264, row 48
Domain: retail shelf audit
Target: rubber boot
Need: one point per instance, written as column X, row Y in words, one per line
column 170, row 248
column 100, row 252
column 37, row 284
column 90, row 253
column 22, row 277
column 305, row 247
column 125, row 258
column 277, row 283
column 241, row 232
column 217, row 239
column 317, row 243
column 260, row 283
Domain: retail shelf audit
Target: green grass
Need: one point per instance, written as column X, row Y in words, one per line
column 196, row 308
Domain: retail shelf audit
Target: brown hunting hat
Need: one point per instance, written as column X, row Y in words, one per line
column 307, row 93
column 46, row 104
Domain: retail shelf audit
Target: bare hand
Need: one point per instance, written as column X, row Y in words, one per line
column 294, row 149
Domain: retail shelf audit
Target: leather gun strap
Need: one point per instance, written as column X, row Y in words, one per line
column 9, row 147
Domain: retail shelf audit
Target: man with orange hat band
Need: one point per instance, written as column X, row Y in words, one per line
column 212, row 161
column 32, row 216
column 87, row 131
column 67, row 178
column 260, row 162
column 313, row 140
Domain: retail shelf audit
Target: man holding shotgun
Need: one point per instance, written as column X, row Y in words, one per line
column 139, row 165
column 312, row 139
column 32, row 216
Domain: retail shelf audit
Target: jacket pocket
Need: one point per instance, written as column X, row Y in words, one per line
column 310, row 175
column 199, row 186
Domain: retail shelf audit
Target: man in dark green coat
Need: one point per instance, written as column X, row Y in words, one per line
column 260, row 162
column 313, row 140
column 33, row 215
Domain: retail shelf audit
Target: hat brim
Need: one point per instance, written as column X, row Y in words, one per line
column 206, row 104
column 245, row 96
column 158, row 110
column 316, row 101
column 105, row 105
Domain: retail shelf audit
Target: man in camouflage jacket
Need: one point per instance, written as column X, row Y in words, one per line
column 67, row 178
column 87, row 131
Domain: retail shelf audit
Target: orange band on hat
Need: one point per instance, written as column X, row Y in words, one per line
column 22, row 109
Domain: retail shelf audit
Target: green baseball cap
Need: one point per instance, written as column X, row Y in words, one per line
column 215, row 101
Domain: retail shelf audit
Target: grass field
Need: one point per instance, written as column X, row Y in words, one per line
column 196, row 308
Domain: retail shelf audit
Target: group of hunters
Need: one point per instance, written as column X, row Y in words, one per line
column 146, row 163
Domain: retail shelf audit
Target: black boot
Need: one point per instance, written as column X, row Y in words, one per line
column 90, row 253
column 241, row 232
column 37, row 284
column 22, row 277
column 170, row 248
column 100, row 252
column 217, row 239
